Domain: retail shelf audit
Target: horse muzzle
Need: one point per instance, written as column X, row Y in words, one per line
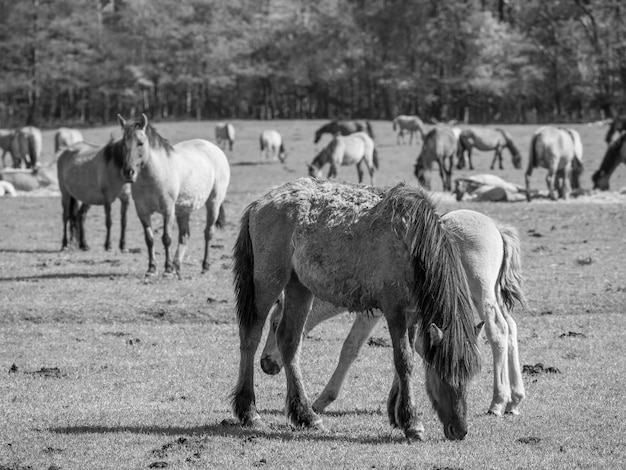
column 129, row 175
column 455, row 433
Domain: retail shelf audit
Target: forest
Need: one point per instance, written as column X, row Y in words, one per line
column 80, row 62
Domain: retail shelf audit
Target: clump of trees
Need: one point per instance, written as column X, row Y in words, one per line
column 83, row 61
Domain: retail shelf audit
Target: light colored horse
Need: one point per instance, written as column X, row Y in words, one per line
column 336, row 128
column 490, row 254
column 354, row 149
column 360, row 248
column 413, row 124
column 6, row 138
column 615, row 154
column 26, row 147
column 90, row 175
column 440, row 146
column 7, row 189
column 485, row 138
column 225, row 135
column 65, row 136
column 173, row 181
column 272, row 146
column 560, row 151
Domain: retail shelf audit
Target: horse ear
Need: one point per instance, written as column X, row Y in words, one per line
column 121, row 120
column 479, row 328
column 144, row 122
column 436, row 335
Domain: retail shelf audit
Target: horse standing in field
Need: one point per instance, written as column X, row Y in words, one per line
column 65, row 137
column 336, row 128
column 6, row 138
column 26, row 147
column 357, row 148
column 490, row 254
column 225, row 135
column 413, row 124
column 485, row 138
column 272, row 146
column 440, row 145
column 618, row 126
column 361, row 249
column 559, row 150
column 173, row 181
column 90, row 175
column 615, row 154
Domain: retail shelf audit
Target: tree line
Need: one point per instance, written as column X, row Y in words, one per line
column 80, row 62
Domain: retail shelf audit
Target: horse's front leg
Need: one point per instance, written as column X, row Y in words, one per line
column 359, row 171
column 123, row 216
column 567, row 181
column 144, row 218
column 298, row 301
column 469, row 159
column 550, row 182
column 168, row 225
column 182, row 220
column 527, row 176
column 80, row 217
column 400, row 406
column 332, row 172
column 108, row 223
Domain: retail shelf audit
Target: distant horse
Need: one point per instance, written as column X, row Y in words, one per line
column 357, row 148
column 173, row 181
column 413, row 124
column 272, row 146
column 490, row 254
column 618, row 125
column 615, row 154
column 560, row 151
column 485, row 138
column 343, row 128
column 225, row 135
column 90, row 175
column 360, row 249
column 440, row 145
column 65, row 136
column 6, row 138
column 26, row 147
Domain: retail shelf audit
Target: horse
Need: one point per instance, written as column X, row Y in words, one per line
column 558, row 150
column 26, row 146
column 357, row 148
column 6, row 138
column 615, row 154
column 225, row 135
column 440, row 145
column 173, row 181
column 65, row 136
column 413, row 124
column 359, row 248
column 618, row 126
column 485, row 138
column 344, row 128
column 90, row 175
column 490, row 254
column 272, row 146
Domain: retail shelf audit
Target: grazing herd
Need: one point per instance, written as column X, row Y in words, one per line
column 311, row 249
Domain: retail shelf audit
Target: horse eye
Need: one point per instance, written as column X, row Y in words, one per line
column 139, row 144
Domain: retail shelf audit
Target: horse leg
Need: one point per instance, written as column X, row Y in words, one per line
column 567, row 181
column 168, row 225
column 123, row 217
column 550, row 181
column 108, row 223
column 298, row 301
column 469, row 158
column 182, row 220
column 66, row 202
column 332, row 172
column 527, row 176
column 360, row 331
column 212, row 213
column 515, row 374
column 144, row 218
column 359, row 171
column 400, row 405
column 80, row 217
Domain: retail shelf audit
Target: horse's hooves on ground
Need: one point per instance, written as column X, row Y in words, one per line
column 493, row 412
column 85, row 248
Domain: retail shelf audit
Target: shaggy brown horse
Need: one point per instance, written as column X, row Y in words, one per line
column 440, row 146
column 615, row 154
column 363, row 250
column 485, row 138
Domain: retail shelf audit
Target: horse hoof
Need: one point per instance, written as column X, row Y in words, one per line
column 254, row 423
column 318, row 425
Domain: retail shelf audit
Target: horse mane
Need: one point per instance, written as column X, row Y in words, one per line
column 322, row 157
column 441, row 292
column 509, row 142
column 114, row 152
column 154, row 138
column 612, row 157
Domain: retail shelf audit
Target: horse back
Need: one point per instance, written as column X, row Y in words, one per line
column 82, row 173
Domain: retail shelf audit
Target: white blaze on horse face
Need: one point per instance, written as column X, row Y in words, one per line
column 136, row 155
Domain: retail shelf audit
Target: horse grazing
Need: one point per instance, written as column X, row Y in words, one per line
column 90, row 175
column 225, row 135
column 344, row 128
column 490, row 254
column 560, row 151
column 485, row 138
column 272, row 146
column 618, row 126
column 413, row 124
column 173, row 181
column 26, row 147
column 615, row 154
column 440, row 145
column 6, row 138
column 357, row 148
column 65, row 137
column 361, row 249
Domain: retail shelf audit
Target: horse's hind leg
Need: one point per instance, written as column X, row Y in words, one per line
column 212, row 214
column 359, row 171
column 298, row 301
column 80, row 218
column 182, row 221
column 515, row 374
column 108, row 223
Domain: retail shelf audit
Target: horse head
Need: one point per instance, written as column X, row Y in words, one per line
column 600, row 180
column 422, row 174
column 136, row 147
column 314, row 171
column 282, row 153
column 318, row 135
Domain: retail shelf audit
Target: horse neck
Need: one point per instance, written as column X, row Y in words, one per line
column 612, row 158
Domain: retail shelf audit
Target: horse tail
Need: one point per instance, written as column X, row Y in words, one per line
column 57, row 142
column 375, row 157
column 32, row 150
column 243, row 270
column 221, row 217
column 510, row 280
column 532, row 157
column 395, row 123
column 370, row 130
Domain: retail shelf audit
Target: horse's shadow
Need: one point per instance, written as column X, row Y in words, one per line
column 29, row 251
column 42, row 277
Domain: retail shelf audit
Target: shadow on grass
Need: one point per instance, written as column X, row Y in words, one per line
column 228, row 429
column 30, row 251
column 43, row 277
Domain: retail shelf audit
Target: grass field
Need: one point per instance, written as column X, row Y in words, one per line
column 101, row 370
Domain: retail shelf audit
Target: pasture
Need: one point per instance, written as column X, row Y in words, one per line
column 99, row 369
